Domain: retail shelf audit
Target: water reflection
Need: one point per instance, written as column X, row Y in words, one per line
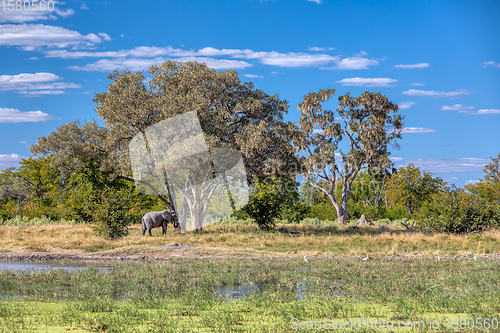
column 73, row 267
column 234, row 292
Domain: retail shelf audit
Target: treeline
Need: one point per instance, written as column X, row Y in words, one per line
column 36, row 189
column 405, row 193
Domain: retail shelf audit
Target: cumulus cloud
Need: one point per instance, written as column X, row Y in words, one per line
column 488, row 111
column 432, row 93
column 31, row 36
column 253, row 76
column 457, row 107
column 357, row 62
column 472, row 181
column 405, row 105
column 491, row 63
column 10, row 160
column 23, row 16
column 107, row 65
column 319, row 2
column 419, row 65
column 319, row 49
column 417, row 130
column 469, row 109
column 441, row 165
column 292, row 59
column 65, row 13
column 8, row 115
column 210, row 55
column 367, row 82
column 396, row 159
column 34, row 84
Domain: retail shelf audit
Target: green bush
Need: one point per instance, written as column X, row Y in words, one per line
column 111, row 220
column 324, row 211
column 456, row 211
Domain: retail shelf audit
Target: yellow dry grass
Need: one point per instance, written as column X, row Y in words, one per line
column 248, row 240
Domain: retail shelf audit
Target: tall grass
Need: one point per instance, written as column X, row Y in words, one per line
column 180, row 295
column 24, row 221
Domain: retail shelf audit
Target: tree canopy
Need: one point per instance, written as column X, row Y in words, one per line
column 337, row 148
column 232, row 114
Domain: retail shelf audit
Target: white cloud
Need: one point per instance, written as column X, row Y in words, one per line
column 469, row 109
column 419, row 65
column 491, row 63
column 84, row 6
column 356, row 62
column 253, row 76
column 474, row 181
column 209, row 54
column 316, row 1
column 36, row 84
column 27, row 78
column 108, row 65
column 441, row 165
column 414, row 92
column 65, row 13
column 25, row 16
column 292, row 59
column 367, row 82
column 417, row 130
column 8, row 115
column 488, row 111
column 10, row 160
column 31, row 36
column 405, row 105
column 396, row 159
column 457, row 107
column 138, row 52
column 316, row 48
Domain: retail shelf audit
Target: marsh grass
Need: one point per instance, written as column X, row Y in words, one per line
column 180, row 295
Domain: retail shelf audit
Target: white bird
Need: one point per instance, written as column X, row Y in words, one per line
column 475, row 258
column 305, row 259
column 366, row 258
column 439, row 257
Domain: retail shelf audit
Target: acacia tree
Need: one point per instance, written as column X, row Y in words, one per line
column 338, row 147
column 232, row 114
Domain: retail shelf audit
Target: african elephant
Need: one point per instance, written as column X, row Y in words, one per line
column 152, row 220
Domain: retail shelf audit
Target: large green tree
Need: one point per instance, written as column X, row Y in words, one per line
column 411, row 187
column 232, row 114
column 338, row 145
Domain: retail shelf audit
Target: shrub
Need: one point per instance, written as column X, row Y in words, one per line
column 458, row 212
column 111, row 220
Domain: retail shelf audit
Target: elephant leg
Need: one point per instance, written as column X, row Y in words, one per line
column 149, row 231
column 164, row 230
column 143, row 231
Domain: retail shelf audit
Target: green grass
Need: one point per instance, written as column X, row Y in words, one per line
column 180, row 295
column 24, row 221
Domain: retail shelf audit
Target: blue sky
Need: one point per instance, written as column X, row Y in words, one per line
column 439, row 60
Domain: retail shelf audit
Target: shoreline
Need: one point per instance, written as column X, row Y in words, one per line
column 181, row 254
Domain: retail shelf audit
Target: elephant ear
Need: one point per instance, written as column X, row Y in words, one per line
column 166, row 215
